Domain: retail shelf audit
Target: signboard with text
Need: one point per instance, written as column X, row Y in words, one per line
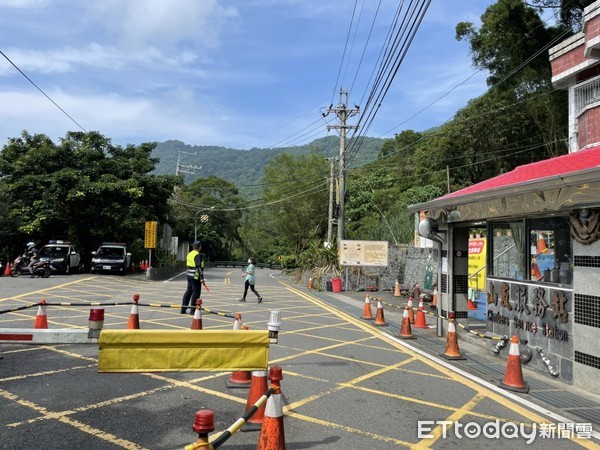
column 477, row 263
column 150, row 235
column 363, row 253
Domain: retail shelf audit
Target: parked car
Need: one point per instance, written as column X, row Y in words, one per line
column 111, row 257
column 62, row 256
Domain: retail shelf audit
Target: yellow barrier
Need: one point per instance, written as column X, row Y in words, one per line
column 182, row 350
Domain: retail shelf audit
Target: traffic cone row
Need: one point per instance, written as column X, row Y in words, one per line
column 144, row 265
column 239, row 378
column 367, row 311
column 197, row 320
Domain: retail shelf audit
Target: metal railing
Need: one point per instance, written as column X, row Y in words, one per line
column 586, row 94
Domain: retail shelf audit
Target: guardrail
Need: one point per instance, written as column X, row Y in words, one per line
column 244, row 264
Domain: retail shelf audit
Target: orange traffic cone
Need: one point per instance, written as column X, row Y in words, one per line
column 405, row 330
column 379, row 319
column 452, row 351
column 41, row 319
column 272, row 435
column 541, row 245
column 7, row 268
column 435, row 297
column 367, row 311
column 397, row 292
column 258, row 387
column 411, row 311
column 310, row 283
column 420, row 321
column 204, row 423
column 239, row 378
column 470, row 297
column 197, row 320
column 513, row 378
column 134, row 316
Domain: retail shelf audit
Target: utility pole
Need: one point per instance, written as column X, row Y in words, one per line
column 330, row 221
column 189, row 169
column 343, row 113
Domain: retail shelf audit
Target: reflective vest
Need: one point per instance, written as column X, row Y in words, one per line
column 191, row 264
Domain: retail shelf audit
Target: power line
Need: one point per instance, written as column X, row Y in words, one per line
column 40, row 89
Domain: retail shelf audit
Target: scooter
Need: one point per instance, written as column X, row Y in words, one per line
column 19, row 267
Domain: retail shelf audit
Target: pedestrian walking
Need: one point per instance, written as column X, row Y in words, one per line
column 250, row 280
column 195, row 276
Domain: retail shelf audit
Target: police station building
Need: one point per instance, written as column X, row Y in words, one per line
column 543, row 233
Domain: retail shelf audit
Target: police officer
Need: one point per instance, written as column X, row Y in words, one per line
column 195, row 276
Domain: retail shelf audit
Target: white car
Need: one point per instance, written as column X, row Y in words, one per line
column 111, row 257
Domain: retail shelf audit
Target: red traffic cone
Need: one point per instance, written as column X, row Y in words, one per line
column 405, row 331
column 379, row 318
column 258, row 387
column 204, row 423
column 420, row 321
column 452, row 351
column 272, row 435
column 239, row 378
column 197, row 320
column 513, row 378
column 397, row 292
column 7, row 268
column 411, row 311
column 134, row 316
column 41, row 319
column 367, row 311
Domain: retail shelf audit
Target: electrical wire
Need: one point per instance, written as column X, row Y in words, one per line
column 43, row 93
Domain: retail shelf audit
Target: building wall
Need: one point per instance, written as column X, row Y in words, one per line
column 588, row 126
column 586, row 328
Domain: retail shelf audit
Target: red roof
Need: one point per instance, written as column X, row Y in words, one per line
column 548, row 168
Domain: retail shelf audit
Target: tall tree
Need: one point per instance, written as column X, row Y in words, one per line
column 210, row 209
column 84, row 188
column 296, row 195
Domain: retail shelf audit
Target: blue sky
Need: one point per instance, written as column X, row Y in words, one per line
column 240, row 74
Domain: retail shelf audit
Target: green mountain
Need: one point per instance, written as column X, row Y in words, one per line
column 245, row 167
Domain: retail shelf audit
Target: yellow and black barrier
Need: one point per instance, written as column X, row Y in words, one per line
column 182, row 350
column 467, row 329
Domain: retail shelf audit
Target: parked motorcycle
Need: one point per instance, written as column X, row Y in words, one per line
column 19, row 267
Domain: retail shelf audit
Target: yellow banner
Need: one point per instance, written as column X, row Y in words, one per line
column 182, row 350
column 477, row 264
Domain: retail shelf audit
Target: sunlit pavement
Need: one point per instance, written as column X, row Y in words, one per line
column 346, row 383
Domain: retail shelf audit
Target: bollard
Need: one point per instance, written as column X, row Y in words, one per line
column 95, row 322
column 274, row 326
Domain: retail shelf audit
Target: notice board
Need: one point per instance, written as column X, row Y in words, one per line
column 363, row 253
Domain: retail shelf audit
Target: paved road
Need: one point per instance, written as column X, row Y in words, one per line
column 347, row 384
